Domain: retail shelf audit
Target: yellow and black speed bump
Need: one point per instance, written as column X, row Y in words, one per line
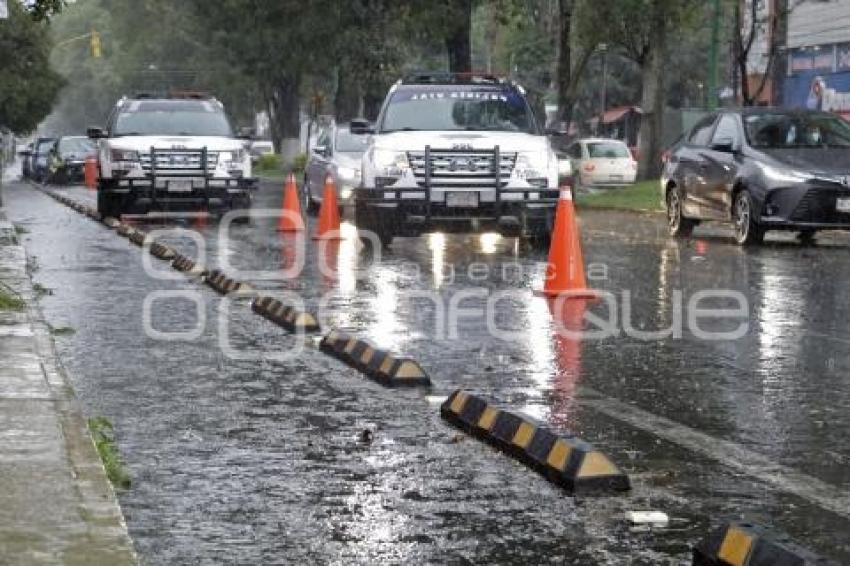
column 162, row 252
column 224, row 284
column 745, row 544
column 285, row 315
column 564, row 460
column 124, row 229
column 379, row 365
column 186, row 265
column 138, row 237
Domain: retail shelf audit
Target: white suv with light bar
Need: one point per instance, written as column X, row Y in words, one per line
column 172, row 154
column 458, row 153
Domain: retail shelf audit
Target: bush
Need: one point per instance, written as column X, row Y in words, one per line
column 300, row 163
column 269, row 162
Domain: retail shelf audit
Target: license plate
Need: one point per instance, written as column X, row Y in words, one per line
column 465, row 199
column 179, row 186
column 842, row 205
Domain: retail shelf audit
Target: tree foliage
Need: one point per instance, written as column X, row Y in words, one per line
column 28, row 87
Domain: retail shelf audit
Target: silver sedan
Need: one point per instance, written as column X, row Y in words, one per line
column 337, row 153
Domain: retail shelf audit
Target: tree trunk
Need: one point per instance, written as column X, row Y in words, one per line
column 285, row 116
column 458, row 42
column 348, row 94
column 564, row 64
column 652, row 99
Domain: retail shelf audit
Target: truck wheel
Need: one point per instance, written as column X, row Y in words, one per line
column 108, row 203
column 241, row 202
column 369, row 221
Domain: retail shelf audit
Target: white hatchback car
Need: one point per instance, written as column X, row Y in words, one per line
column 600, row 162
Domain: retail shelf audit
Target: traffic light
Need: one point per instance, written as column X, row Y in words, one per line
column 95, row 44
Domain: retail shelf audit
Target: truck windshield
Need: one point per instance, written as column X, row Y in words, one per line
column 168, row 118
column 457, row 109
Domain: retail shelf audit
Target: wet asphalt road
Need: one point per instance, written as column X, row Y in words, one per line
column 258, row 460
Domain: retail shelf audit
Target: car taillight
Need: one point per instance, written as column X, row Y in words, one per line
column 633, row 164
column 665, row 156
column 589, row 167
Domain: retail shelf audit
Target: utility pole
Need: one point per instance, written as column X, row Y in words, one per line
column 712, row 56
column 603, row 95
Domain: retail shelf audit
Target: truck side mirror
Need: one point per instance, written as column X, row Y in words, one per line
column 361, row 127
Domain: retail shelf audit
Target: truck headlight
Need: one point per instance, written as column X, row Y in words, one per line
column 530, row 164
column 348, row 173
column 390, row 163
column 124, row 155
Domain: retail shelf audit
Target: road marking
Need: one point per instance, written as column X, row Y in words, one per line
column 728, row 453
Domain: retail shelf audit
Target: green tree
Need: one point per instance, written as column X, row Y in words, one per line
column 642, row 28
column 28, row 86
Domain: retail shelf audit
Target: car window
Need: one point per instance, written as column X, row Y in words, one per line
column 324, row 138
column 727, row 128
column 347, row 142
column 607, row 150
column 702, row 131
column 798, row 130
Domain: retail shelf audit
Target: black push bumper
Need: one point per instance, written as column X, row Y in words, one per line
column 142, row 195
column 411, row 211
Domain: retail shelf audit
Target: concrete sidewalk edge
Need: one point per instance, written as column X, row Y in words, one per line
column 92, row 528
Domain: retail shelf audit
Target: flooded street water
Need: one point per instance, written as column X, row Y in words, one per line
column 260, row 457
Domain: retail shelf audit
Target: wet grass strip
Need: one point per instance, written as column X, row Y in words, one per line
column 644, row 196
column 103, row 435
column 9, row 300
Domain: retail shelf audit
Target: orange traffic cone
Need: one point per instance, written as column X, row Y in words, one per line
column 290, row 215
column 90, row 172
column 565, row 271
column 329, row 214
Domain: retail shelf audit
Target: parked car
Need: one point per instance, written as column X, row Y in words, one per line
column 600, row 162
column 338, row 152
column 761, row 169
column 25, row 153
column 40, row 159
column 260, row 148
column 67, row 159
column 458, row 153
column 176, row 153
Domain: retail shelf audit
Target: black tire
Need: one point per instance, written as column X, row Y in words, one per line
column 311, row 207
column 109, row 203
column 539, row 240
column 370, row 221
column 807, row 237
column 747, row 229
column 677, row 225
column 241, row 202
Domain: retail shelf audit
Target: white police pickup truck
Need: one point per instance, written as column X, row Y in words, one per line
column 458, row 153
column 172, row 154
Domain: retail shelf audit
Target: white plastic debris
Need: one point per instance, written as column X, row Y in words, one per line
column 654, row 518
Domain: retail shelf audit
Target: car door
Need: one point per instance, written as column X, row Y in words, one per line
column 721, row 161
column 690, row 169
column 319, row 164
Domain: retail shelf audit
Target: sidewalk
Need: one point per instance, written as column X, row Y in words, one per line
column 56, row 504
